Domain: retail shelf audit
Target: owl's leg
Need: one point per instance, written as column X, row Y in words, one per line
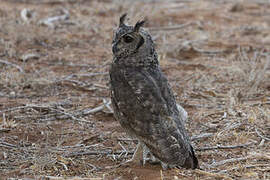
column 140, row 154
column 136, row 157
column 154, row 160
column 166, row 166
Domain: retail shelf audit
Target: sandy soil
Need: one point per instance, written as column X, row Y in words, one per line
column 55, row 116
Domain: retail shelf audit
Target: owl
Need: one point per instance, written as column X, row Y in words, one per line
column 143, row 101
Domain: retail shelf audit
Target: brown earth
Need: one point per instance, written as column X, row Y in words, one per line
column 54, row 75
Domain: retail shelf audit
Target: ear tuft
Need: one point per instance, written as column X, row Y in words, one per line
column 122, row 19
column 138, row 25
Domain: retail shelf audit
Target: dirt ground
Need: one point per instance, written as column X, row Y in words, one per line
column 55, row 116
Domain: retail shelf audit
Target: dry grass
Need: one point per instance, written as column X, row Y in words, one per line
column 55, row 115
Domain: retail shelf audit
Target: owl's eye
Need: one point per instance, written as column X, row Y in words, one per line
column 128, row 39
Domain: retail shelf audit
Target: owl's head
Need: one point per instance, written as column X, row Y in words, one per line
column 129, row 40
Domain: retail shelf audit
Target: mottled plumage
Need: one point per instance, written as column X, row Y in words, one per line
column 142, row 98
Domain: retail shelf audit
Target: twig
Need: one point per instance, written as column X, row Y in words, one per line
column 200, row 136
column 97, row 109
column 4, row 130
column 107, row 104
column 261, row 155
column 168, row 28
column 63, row 114
column 220, row 163
column 241, row 167
column 49, row 21
column 11, row 64
column 88, row 153
column 251, row 156
column 90, row 74
column 93, row 167
column 126, row 139
column 230, row 127
column 208, row 51
column 259, row 75
column 25, row 14
column 12, row 109
column 78, row 84
column 210, row 174
column 70, row 178
column 63, row 164
column 4, row 144
column 27, row 56
column 72, row 116
column 224, row 147
column 261, row 136
column 124, row 150
column 101, row 86
column 110, row 152
column 261, row 143
column 161, row 175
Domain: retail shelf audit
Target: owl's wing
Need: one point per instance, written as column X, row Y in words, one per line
column 155, row 121
column 147, row 91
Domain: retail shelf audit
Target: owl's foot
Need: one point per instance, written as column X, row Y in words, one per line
column 154, row 160
column 166, row 166
column 140, row 155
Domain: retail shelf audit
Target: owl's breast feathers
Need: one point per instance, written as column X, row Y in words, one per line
column 145, row 106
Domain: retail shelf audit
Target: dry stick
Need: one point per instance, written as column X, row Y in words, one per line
column 262, row 155
column 241, row 167
column 64, row 178
column 65, row 114
column 176, row 27
column 91, row 74
column 208, row 51
column 132, row 152
column 63, row 164
column 261, row 136
column 257, row 80
column 4, row 144
column 209, row 174
column 220, row 163
column 107, row 105
column 70, row 115
column 97, row 109
column 78, row 85
column 13, row 109
column 126, row 139
column 200, row 136
column 49, row 21
column 230, row 127
column 96, row 153
column 203, row 148
column 93, row 167
column 25, row 14
column 11, row 64
column 251, row 156
column 224, row 147
column 4, row 130
column 161, row 175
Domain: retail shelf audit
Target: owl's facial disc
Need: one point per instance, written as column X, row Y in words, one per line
column 127, row 39
column 128, row 44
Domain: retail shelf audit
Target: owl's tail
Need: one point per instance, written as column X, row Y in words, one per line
column 191, row 161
